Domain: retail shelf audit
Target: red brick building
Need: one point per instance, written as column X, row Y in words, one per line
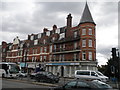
column 62, row 50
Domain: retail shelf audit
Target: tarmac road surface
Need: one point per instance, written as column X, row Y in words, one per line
column 15, row 85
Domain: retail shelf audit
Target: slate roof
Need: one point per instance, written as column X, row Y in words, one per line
column 86, row 16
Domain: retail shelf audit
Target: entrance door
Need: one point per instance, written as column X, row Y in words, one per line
column 62, row 71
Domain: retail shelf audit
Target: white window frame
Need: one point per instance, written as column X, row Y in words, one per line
column 33, row 51
column 35, row 42
column 32, row 37
column 33, row 59
column 54, row 57
column 21, row 45
column 90, row 31
column 84, row 31
column 10, row 47
column 63, row 57
column 60, row 57
column 40, row 58
column 57, row 30
column 75, row 56
column 45, row 49
column 63, row 46
column 48, row 33
column 50, row 57
column 21, row 53
column 83, row 43
column 83, row 55
column 90, row 55
column 75, row 34
column 90, row 43
column 45, row 57
column 39, row 35
column 54, row 47
column 53, row 39
column 75, row 45
column 62, row 35
column 41, row 49
column 44, row 41
column 50, row 48
column 36, row 51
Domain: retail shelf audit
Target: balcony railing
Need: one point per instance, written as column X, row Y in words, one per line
column 66, row 50
column 68, row 39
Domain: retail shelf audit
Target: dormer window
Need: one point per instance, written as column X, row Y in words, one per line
column 39, row 35
column 57, row 31
column 32, row 37
column 10, row 47
column 48, row 33
column 62, row 35
column 35, row 42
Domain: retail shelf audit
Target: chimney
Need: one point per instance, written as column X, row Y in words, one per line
column 4, row 43
column 45, row 30
column 69, row 21
column 28, row 37
column 54, row 27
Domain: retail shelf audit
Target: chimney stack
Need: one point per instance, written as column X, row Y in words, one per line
column 54, row 27
column 45, row 30
column 69, row 21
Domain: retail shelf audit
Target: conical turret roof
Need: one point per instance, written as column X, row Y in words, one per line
column 86, row 16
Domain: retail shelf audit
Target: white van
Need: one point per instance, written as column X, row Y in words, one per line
column 9, row 70
column 89, row 74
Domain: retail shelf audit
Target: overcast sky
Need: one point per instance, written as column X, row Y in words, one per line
column 27, row 17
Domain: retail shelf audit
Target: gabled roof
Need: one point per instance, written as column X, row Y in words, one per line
column 86, row 16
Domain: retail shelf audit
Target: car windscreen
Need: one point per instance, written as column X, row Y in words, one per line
column 100, row 84
column 99, row 73
column 14, row 68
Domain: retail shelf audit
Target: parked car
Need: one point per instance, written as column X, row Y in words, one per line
column 84, row 85
column 32, row 75
column 101, row 84
column 46, row 77
column 90, row 74
column 2, row 73
column 22, row 74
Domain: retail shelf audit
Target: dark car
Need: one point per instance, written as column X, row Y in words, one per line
column 84, row 85
column 46, row 77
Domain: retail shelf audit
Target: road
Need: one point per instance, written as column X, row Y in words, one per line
column 15, row 85
column 30, row 84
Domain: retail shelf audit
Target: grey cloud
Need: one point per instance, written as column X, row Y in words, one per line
column 46, row 15
column 104, row 50
column 51, row 11
column 108, row 14
column 69, row 7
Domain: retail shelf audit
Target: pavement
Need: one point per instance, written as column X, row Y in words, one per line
column 62, row 81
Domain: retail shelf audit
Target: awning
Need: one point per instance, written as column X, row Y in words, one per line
column 23, row 65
